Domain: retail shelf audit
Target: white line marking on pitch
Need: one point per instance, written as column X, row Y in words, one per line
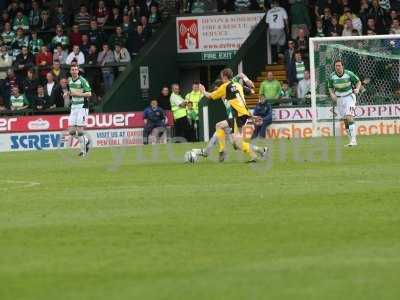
column 19, row 184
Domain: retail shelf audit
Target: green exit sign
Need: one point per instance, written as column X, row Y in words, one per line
column 224, row 55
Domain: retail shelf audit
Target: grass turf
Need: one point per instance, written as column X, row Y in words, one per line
column 136, row 223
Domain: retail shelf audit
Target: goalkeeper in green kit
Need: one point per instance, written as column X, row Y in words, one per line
column 344, row 86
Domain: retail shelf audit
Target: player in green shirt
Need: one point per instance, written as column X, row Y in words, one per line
column 344, row 86
column 270, row 89
column 79, row 91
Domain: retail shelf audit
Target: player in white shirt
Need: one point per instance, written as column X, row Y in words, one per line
column 79, row 91
column 277, row 20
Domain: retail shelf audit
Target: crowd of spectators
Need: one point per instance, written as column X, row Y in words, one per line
column 292, row 22
column 40, row 40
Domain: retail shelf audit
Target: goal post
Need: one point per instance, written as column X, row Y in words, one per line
column 374, row 59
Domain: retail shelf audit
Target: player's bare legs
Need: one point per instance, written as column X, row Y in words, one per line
column 351, row 130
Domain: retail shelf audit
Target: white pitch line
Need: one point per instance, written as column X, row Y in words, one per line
column 20, row 184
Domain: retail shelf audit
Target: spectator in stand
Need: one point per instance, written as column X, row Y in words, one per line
column 106, row 56
column 304, row 87
column 122, row 56
column 83, row 19
column 7, row 35
column 363, row 12
column 319, row 29
column 286, row 94
column 277, row 21
column 5, row 18
column 75, row 37
column 115, row 18
column 127, row 25
column 136, row 42
column 60, row 38
column 371, row 25
column 178, row 107
column 133, row 14
column 85, row 45
column 35, row 44
column 30, row 84
column 102, row 14
column 302, row 42
column 71, row 8
column 21, row 21
column 300, row 18
column 300, row 66
column 163, row 100
column 289, row 60
column 45, row 22
column 40, row 101
column 24, row 61
column 378, row 14
column 60, row 17
column 145, row 7
column 270, row 89
column 154, row 17
column 18, row 101
column 65, row 93
column 44, row 60
column 20, row 41
column 154, row 120
column 147, row 30
column 119, row 37
column 57, row 72
column 395, row 28
column 93, row 74
column 356, row 21
column 76, row 55
column 348, row 28
column 52, row 90
column 225, row 5
column 96, row 36
column 34, row 15
column 321, row 5
column 7, row 85
column 336, row 29
column 326, row 20
column 5, row 62
column 60, row 54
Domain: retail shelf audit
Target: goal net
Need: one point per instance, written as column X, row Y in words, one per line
column 374, row 59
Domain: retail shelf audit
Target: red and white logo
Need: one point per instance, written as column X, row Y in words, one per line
column 38, row 124
column 188, row 34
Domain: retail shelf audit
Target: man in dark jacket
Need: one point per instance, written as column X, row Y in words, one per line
column 154, row 119
column 263, row 114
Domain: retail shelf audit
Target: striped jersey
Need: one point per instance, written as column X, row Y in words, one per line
column 343, row 85
column 80, row 85
column 300, row 69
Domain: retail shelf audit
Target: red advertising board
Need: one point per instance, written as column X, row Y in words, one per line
column 60, row 122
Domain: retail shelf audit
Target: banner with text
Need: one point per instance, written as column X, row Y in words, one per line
column 60, row 122
column 215, row 32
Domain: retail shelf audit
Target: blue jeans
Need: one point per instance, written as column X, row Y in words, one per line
column 108, row 78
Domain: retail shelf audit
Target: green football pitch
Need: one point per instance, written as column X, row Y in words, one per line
column 315, row 221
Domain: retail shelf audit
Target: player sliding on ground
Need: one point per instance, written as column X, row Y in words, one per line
column 238, row 116
column 80, row 91
column 344, row 86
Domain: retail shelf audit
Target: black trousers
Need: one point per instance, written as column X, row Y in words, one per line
column 182, row 128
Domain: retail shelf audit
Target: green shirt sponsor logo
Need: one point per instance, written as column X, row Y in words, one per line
column 79, row 85
column 343, row 85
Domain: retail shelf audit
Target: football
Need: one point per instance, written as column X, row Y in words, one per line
column 191, row 157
